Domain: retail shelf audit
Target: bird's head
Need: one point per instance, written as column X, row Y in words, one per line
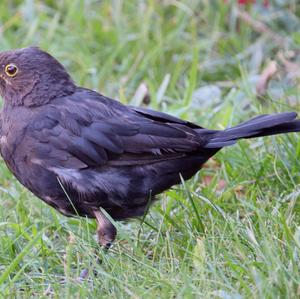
column 32, row 77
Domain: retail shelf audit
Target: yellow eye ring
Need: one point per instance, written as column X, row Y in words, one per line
column 11, row 70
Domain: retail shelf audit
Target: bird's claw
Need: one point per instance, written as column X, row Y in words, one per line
column 106, row 231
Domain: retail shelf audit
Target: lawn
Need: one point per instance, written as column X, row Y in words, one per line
column 233, row 231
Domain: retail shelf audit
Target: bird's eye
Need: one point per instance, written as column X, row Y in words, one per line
column 11, row 70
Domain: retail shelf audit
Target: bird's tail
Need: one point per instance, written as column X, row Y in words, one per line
column 262, row 125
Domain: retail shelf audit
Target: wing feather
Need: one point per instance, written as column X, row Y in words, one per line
column 110, row 133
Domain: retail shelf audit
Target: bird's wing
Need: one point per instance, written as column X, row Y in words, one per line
column 88, row 133
column 163, row 117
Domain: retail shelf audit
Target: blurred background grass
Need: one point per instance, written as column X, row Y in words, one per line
column 233, row 230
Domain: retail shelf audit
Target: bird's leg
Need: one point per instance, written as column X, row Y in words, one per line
column 106, row 231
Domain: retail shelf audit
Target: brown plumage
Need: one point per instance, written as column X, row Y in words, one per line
column 58, row 138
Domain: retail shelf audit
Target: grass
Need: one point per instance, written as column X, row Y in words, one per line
column 230, row 232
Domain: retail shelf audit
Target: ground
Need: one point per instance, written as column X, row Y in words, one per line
column 230, row 232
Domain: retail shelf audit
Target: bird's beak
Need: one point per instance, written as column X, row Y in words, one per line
column 2, row 78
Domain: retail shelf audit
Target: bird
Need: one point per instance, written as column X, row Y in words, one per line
column 87, row 155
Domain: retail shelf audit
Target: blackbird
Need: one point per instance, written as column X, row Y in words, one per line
column 88, row 155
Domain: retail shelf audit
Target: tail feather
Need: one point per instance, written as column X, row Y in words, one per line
column 262, row 125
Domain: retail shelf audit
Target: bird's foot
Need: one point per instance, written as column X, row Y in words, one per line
column 106, row 231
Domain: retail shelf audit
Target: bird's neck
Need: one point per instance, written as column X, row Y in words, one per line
column 40, row 94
